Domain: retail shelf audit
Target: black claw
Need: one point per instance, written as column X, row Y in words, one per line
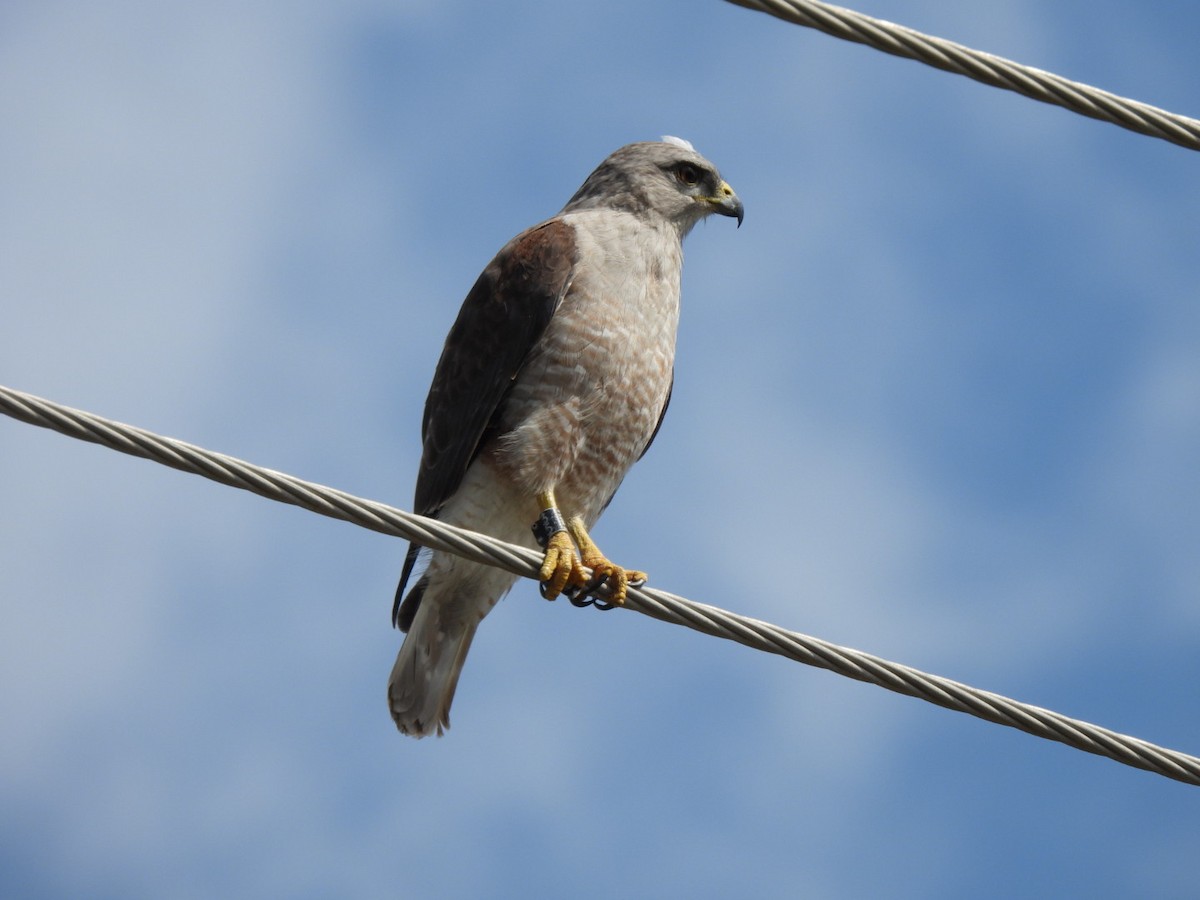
column 583, row 601
column 584, row 595
column 543, row 589
column 594, row 582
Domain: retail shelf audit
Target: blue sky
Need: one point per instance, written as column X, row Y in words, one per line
column 938, row 399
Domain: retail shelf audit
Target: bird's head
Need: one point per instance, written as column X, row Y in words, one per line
column 666, row 178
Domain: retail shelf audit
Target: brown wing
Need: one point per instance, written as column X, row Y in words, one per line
column 662, row 414
column 501, row 320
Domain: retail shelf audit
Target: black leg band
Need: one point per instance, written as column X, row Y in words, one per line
column 548, row 524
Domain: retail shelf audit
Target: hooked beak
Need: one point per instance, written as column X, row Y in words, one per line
column 726, row 203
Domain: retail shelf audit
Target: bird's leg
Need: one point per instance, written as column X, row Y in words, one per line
column 603, row 571
column 561, row 568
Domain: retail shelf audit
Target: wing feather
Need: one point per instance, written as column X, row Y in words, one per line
column 662, row 414
column 501, row 320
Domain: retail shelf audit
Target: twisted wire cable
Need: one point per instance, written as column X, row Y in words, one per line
column 657, row 604
column 993, row 70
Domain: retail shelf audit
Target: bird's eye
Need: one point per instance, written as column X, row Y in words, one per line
column 688, row 174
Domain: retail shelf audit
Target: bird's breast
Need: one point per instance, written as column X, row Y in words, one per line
column 589, row 397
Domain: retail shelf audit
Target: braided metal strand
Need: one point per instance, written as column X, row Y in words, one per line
column 656, row 604
column 993, row 70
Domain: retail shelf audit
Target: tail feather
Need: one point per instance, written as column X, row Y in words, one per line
column 426, row 672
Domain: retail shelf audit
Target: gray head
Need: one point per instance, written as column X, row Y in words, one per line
column 668, row 179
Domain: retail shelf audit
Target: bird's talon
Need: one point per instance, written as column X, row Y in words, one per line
column 599, row 576
column 583, row 601
column 560, row 567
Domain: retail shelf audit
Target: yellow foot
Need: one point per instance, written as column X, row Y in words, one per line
column 616, row 577
column 560, row 567
column 568, row 549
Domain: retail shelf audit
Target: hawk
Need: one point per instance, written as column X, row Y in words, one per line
column 553, row 381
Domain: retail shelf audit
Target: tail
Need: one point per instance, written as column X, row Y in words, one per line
column 423, row 680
